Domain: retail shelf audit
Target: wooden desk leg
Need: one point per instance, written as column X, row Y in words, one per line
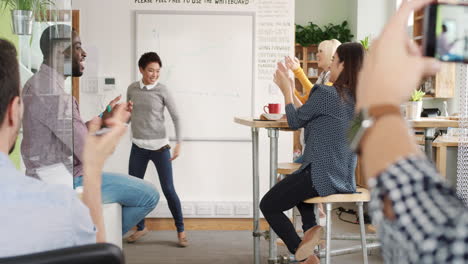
column 441, row 160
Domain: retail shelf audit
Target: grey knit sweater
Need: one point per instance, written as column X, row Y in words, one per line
column 148, row 112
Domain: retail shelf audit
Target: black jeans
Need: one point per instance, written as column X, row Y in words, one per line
column 286, row 194
column 139, row 159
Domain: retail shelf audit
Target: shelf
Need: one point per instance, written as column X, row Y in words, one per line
column 418, row 38
column 429, row 96
column 312, row 61
column 419, row 17
column 312, row 77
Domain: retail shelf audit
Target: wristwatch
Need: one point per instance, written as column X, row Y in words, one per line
column 365, row 119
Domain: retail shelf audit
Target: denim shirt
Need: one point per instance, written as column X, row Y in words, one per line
column 37, row 217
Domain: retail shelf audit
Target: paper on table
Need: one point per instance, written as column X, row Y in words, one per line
column 56, row 174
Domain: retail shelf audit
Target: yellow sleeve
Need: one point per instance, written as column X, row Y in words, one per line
column 306, row 85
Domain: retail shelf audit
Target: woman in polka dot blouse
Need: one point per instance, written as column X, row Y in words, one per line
column 329, row 163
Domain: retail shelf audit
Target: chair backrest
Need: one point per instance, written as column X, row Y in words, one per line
column 96, row 253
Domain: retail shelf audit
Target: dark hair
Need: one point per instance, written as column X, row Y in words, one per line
column 53, row 35
column 352, row 54
column 148, row 58
column 9, row 76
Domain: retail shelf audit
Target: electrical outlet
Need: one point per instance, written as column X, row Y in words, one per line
column 188, row 209
column 92, row 85
column 242, row 209
column 204, row 209
column 224, row 209
column 162, row 210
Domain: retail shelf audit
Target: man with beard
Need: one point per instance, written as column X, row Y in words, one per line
column 37, row 216
column 54, row 132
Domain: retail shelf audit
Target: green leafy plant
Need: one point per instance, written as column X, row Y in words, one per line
column 308, row 35
column 340, row 32
column 314, row 34
column 365, row 43
column 38, row 7
column 417, row 95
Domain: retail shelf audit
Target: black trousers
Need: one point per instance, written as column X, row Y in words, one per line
column 286, row 194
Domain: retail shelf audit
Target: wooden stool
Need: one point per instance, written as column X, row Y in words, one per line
column 286, row 168
column 362, row 195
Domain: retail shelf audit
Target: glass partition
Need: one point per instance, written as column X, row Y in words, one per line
column 43, row 38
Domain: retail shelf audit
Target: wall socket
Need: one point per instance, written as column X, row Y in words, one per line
column 243, row 209
column 224, row 209
column 203, row 209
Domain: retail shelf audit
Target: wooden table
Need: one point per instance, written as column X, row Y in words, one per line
column 429, row 125
column 256, row 123
column 273, row 128
column 440, row 145
column 427, row 122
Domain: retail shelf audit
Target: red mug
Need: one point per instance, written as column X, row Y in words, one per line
column 272, row 108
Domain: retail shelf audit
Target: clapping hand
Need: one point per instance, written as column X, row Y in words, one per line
column 292, row 64
column 98, row 148
column 281, row 79
column 115, row 103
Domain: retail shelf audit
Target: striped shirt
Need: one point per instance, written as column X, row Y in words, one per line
column 53, row 131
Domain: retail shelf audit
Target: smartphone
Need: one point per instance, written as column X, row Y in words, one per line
column 103, row 131
column 446, row 32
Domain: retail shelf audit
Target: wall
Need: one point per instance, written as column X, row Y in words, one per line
column 206, row 172
column 353, row 17
column 365, row 17
column 5, row 28
column 372, row 16
column 322, row 12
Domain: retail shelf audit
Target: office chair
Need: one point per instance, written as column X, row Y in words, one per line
column 88, row 254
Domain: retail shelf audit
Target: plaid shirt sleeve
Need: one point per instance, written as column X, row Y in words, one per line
column 431, row 224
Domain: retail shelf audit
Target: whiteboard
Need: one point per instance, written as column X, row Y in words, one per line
column 208, row 66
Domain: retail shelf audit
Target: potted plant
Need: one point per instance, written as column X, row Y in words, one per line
column 24, row 12
column 414, row 106
column 313, row 34
column 340, row 32
column 365, row 43
column 308, row 35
